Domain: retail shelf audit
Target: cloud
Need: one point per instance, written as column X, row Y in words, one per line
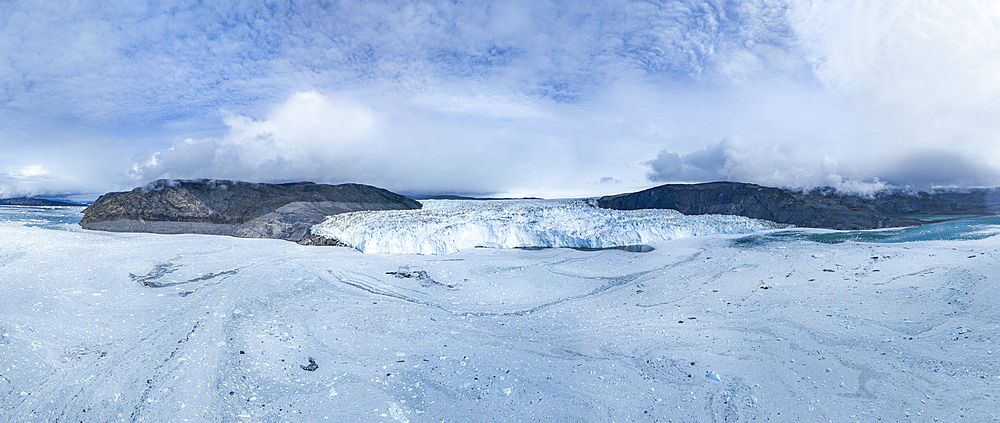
column 423, row 145
column 905, row 94
column 199, row 83
column 940, row 168
column 29, row 168
column 310, row 136
column 127, row 63
column 36, row 180
column 29, row 172
column 789, row 165
column 23, row 181
column 914, row 75
column 519, row 97
column 318, row 137
column 736, row 159
column 772, row 164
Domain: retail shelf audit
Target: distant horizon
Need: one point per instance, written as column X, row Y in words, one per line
column 87, row 198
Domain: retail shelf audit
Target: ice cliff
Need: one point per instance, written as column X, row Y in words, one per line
column 446, row 226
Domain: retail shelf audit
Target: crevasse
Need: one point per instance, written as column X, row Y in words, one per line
column 447, row 226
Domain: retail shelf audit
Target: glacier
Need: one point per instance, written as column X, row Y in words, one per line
column 783, row 325
column 448, row 226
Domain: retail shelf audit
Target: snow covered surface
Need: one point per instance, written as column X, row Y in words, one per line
column 770, row 326
column 447, row 226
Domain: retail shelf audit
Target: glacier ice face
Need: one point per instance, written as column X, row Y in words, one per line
column 447, row 226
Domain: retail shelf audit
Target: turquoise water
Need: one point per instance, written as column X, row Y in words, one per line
column 61, row 218
column 955, row 230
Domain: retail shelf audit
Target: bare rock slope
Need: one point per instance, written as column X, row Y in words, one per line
column 241, row 209
column 819, row 208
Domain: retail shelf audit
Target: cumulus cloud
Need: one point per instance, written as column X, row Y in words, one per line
column 310, row 136
column 23, row 181
column 29, row 172
column 771, row 164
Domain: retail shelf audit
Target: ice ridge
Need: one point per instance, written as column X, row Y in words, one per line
column 447, row 226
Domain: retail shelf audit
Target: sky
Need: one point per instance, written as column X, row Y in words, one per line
column 519, row 98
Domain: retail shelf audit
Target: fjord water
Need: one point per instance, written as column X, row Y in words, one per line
column 953, row 230
column 43, row 217
column 98, row 326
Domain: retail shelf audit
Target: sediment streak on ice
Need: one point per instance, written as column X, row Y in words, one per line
column 447, row 226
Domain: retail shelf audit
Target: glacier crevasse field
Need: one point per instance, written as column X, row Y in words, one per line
column 447, row 226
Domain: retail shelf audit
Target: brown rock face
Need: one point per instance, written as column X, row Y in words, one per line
column 243, row 209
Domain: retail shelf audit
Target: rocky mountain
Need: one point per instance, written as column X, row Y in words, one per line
column 36, row 202
column 241, row 209
column 819, row 208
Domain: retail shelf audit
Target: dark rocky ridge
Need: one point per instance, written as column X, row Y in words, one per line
column 37, row 202
column 819, row 208
column 241, row 209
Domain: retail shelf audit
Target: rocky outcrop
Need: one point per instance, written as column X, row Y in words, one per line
column 819, row 208
column 241, row 209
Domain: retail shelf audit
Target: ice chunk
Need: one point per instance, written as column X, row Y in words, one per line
column 397, row 413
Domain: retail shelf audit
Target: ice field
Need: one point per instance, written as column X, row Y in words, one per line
column 771, row 325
